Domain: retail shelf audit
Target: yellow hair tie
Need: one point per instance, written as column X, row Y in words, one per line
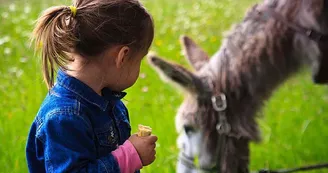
column 40, row 45
column 73, row 10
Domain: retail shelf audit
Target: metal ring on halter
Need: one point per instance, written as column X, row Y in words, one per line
column 221, row 106
column 223, row 128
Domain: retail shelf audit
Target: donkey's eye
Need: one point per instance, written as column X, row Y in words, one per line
column 188, row 129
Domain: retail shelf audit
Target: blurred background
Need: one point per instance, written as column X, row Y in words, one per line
column 294, row 122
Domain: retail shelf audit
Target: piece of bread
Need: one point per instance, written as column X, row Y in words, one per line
column 144, row 130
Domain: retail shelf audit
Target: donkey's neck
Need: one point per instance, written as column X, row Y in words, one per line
column 253, row 60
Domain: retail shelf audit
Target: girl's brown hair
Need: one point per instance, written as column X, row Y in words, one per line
column 96, row 26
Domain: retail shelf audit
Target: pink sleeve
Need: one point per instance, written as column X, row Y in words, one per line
column 127, row 157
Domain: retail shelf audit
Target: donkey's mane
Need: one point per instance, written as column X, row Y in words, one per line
column 254, row 59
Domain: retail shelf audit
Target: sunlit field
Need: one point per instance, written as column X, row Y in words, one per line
column 294, row 121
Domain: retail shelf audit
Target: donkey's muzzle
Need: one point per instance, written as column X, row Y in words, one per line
column 320, row 76
column 320, row 73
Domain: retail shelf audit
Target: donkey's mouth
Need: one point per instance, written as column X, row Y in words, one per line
column 321, row 79
column 320, row 76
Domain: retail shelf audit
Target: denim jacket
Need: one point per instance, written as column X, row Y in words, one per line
column 76, row 130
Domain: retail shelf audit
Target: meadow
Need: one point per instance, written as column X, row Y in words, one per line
column 293, row 123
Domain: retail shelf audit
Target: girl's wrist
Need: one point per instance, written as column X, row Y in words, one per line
column 127, row 158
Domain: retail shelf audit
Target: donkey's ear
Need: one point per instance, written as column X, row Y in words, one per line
column 194, row 54
column 174, row 73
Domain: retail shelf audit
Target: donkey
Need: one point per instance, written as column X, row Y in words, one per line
column 224, row 93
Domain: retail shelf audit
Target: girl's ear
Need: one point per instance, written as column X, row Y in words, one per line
column 122, row 56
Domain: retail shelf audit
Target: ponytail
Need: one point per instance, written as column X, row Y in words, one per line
column 54, row 35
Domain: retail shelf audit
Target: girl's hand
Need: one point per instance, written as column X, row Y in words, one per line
column 145, row 147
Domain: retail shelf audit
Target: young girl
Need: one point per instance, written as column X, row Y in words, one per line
column 82, row 125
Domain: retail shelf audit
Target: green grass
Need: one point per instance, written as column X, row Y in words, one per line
column 294, row 122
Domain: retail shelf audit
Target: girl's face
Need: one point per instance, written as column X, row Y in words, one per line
column 131, row 69
column 122, row 71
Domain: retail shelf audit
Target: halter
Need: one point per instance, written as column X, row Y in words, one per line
column 219, row 104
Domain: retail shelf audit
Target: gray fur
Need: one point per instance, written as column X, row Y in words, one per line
column 253, row 60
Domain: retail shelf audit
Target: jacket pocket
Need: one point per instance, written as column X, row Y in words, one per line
column 125, row 131
column 107, row 138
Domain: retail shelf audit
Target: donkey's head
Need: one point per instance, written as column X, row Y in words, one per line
column 197, row 109
column 321, row 70
column 312, row 18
